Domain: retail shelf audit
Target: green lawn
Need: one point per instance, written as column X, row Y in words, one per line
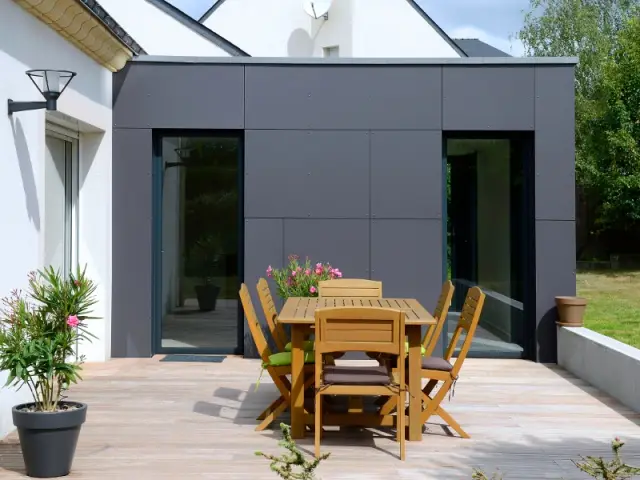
column 613, row 307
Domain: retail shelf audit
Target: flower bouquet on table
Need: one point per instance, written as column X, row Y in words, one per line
column 301, row 279
column 40, row 331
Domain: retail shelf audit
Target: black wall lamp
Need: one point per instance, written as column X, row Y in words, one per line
column 50, row 83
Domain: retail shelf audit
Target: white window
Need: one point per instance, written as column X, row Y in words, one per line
column 332, row 51
column 60, row 222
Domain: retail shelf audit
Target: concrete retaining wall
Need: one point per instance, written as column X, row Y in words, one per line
column 605, row 363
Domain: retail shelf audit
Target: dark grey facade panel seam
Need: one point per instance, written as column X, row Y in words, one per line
column 198, row 28
column 211, row 9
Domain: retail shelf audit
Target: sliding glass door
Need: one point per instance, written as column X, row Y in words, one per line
column 490, row 237
column 198, row 224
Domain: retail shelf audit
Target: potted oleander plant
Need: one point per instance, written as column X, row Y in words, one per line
column 40, row 330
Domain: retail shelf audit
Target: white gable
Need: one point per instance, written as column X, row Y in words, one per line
column 157, row 32
column 359, row 28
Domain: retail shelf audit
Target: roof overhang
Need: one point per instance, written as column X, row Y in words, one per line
column 85, row 24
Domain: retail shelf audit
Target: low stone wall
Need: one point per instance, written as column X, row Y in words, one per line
column 605, row 363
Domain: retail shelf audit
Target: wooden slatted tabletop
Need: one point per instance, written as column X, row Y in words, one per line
column 301, row 310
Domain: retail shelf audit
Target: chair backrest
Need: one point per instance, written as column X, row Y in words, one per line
column 254, row 325
column 469, row 318
column 350, row 287
column 360, row 329
column 432, row 335
column 270, row 312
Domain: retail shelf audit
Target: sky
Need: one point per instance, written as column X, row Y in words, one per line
column 492, row 21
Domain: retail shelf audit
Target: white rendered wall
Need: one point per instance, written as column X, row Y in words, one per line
column 157, row 32
column 361, row 28
column 28, row 44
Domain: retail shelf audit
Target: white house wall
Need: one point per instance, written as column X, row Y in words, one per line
column 360, row 28
column 157, row 32
column 86, row 106
column 393, row 28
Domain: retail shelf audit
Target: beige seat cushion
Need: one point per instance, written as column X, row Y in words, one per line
column 348, row 375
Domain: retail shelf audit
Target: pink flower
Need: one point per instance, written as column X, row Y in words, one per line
column 293, row 273
column 77, row 283
column 337, row 273
column 269, row 271
column 318, row 265
column 298, row 269
column 313, row 289
column 319, row 270
column 307, row 272
column 73, row 321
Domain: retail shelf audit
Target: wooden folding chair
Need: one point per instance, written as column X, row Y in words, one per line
column 430, row 339
column 277, row 365
column 350, row 287
column 365, row 330
column 269, row 308
column 441, row 370
column 431, row 336
column 280, row 337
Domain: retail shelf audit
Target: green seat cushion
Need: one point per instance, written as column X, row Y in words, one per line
column 406, row 348
column 309, row 346
column 283, row 359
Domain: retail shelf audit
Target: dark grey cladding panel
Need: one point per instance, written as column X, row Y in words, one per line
column 343, row 243
column 181, row 96
column 306, row 174
column 263, row 246
column 488, row 98
column 555, row 276
column 343, row 97
column 555, row 143
column 406, row 255
column 406, row 174
column 131, row 324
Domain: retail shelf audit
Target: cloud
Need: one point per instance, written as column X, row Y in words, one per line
column 512, row 47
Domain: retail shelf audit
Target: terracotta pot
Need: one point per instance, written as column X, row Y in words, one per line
column 571, row 311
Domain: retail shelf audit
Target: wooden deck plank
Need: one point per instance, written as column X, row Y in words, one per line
column 151, row 420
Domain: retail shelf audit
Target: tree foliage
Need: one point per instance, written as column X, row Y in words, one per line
column 603, row 34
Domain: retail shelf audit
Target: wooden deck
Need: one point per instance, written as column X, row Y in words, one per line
column 152, row 420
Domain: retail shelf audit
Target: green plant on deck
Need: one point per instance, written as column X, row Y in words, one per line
column 596, row 467
column 480, row 475
column 614, row 469
column 292, row 465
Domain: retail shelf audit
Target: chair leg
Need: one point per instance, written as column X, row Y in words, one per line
column 434, row 403
column 444, row 415
column 270, row 408
column 389, row 406
column 318, row 423
column 269, row 419
column 428, row 388
column 400, row 426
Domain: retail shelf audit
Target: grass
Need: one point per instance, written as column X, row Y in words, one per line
column 613, row 307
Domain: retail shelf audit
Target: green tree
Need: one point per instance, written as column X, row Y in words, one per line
column 591, row 30
column 615, row 139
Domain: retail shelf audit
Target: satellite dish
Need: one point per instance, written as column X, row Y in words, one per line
column 317, row 8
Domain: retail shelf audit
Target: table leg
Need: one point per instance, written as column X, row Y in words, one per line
column 297, row 381
column 415, row 384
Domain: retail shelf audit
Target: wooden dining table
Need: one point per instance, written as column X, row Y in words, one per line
column 299, row 312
